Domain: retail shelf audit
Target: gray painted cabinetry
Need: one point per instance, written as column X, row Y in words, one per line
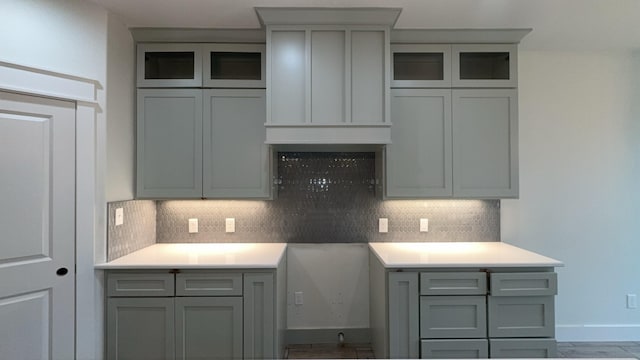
column 204, row 143
column 462, row 313
column 448, row 141
column 194, row 314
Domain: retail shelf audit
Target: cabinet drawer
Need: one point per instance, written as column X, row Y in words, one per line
column 523, row 348
column 454, row 349
column 453, row 317
column 208, row 284
column 454, row 283
column 524, row 284
column 139, row 284
column 526, row 316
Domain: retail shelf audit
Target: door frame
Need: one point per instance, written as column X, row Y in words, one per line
column 90, row 194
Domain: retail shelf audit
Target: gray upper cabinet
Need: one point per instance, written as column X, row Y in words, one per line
column 328, row 84
column 419, row 160
column 169, row 143
column 234, row 66
column 236, row 159
column 485, row 143
column 485, row 65
column 421, row 66
column 169, row 65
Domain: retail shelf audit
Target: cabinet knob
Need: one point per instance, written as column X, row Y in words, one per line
column 62, row 271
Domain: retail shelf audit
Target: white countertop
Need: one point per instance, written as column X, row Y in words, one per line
column 455, row 254
column 202, row 256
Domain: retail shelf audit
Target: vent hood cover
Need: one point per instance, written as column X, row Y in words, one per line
column 328, row 77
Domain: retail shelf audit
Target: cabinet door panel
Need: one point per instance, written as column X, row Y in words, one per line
column 169, row 65
column 203, row 283
column 521, row 316
column 454, row 349
column 140, row 328
column 524, row 284
column 419, row 158
column 484, row 65
column 403, row 322
column 286, row 76
column 369, row 75
column 169, row 143
column 453, row 283
column 140, row 284
column 208, row 328
column 523, row 348
column 328, row 77
column 453, row 317
column 485, row 143
column 259, row 316
column 236, row 158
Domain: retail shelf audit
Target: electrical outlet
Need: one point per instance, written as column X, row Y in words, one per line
column 119, row 216
column 230, row 225
column 299, row 298
column 632, row 301
column 424, row 225
column 193, row 226
column 383, row 225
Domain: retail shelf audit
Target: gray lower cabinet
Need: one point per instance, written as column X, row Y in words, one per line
column 195, row 314
column 462, row 313
column 454, row 349
column 140, row 328
column 208, row 327
column 523, row 348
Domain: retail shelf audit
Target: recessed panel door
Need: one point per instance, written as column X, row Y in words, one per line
column 37, row 227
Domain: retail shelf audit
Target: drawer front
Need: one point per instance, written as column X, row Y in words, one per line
column 140, row 284
column 454, row 349
column 527, row 316
column 449, row 317
column 453, row 283
column 524, row 284
column 523, row 348
column 208, row 284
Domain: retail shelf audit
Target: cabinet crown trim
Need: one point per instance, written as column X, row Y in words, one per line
column 327, row 16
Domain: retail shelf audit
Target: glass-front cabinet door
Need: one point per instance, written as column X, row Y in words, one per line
column 484, row 65
column 421, row 66
column 169, row 65
column 234, row 66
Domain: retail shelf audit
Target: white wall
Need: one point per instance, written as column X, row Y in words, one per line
column 120, row 109
column 580, row 185
column 77, row 38
column 334, row 280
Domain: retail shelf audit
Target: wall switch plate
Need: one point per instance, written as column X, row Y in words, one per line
column 230, row 225
column 632, row 301
column 119, row 216
column 193, row 226
column 424, row 225
column 383, row 225
column 299, row 299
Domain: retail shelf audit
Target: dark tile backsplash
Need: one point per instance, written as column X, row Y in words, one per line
column 325, row 198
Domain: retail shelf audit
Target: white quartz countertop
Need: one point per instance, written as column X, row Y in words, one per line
column 459, row 255
column 202, row 256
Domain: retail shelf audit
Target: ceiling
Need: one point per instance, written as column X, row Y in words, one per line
column 583, row 25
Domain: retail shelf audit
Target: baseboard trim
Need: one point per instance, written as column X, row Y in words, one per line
column 328, row 336
column 598, row 332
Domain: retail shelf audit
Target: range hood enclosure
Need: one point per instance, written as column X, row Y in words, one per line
column 328, row 75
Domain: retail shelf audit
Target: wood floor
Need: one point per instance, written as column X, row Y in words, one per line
column 565, row 350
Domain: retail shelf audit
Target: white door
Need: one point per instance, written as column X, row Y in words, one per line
column 37, row 227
